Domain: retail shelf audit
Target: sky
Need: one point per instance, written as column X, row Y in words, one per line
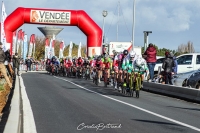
column 172, row 22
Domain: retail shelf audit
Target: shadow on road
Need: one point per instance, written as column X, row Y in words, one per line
column 195, row 109
column 156, row 122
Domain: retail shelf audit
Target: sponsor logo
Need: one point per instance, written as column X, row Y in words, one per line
column 52, row 17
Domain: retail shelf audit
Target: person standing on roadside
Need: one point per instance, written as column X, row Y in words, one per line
column 7, row 61
column 175, row 68
column 150, row 56
column 16, row 63
column 28, row 64
column 2, row 66
column 167, row 65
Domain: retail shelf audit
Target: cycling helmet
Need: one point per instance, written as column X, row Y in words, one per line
column 114, row 52
column 140, row 61
column 132, row 54
column 106, row 56
column 99, row 58
column 125, row 52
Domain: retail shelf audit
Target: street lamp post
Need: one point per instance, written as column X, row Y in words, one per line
column 104, row 13
column 146, row 34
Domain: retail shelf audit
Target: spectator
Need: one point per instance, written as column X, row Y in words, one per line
column 16, row 63
column 28, row 64
column 175, row 68
column 7, row 61
column 150, row 56
column 2, row 66
column 167, row 65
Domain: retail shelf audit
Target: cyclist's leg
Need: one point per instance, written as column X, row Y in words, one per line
column 99, row 75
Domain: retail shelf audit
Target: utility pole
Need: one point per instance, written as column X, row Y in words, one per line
column 133, row 30
column 118, row 21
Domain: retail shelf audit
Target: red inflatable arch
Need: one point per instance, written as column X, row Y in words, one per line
column 77, row 18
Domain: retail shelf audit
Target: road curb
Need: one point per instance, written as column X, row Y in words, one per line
column 184, row 93
column 13, row 124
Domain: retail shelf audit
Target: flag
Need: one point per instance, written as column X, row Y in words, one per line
column 46, row 48
column 79, row 50
column 53, row 43
column 50, row 49
column 25, row 46
column 3, row 35
column 18, row 40
column 14, row 43
column 70, row 49
column 30, row 46
column 33, row 45
column 22, row 43
column 62, row 47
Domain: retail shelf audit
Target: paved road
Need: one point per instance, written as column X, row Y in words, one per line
column 60, row 106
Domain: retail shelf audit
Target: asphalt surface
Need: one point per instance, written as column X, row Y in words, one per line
column 60, row 106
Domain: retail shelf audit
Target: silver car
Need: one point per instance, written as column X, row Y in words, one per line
column 181, row 79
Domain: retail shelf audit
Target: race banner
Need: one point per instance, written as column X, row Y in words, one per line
column 14, row 43
column 79, row 50
column 18, row 40
column 3, row 35
column 70, row 49
column 30, row 46
column 22, row 44
column 62, row 47
column 50, row 17
column 25, row 47
column 46, row 48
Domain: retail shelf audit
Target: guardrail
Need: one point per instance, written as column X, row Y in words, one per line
column 13, row 124
column 184, row 93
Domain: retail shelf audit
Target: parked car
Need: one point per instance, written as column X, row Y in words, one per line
column 194, row 80
column 186, row 63
column 159, row 63
column 188, row 79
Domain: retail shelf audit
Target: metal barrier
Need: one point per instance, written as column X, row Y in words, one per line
column 185, row 93
column 13, row 124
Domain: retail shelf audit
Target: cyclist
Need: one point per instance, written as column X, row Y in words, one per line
column 140, row 68
column 107, row 65
column 129, row 68
column 54, row 64
column 125, row 63
column 98, row 64
column 86, row 64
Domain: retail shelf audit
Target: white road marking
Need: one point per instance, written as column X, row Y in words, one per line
column 139, row 108
column 28, row 119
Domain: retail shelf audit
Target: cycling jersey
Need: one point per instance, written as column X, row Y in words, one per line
column 86, row 63
column 140, row 69
column 68, row 63
column 125, row 62
column 98, row 63
column 55, row 62
column 79, row 62
column 107, row 63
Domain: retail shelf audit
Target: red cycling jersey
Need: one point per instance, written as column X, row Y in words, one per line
column 68, row 63
column 98, row 63
column 79, row 63
column 107, row 64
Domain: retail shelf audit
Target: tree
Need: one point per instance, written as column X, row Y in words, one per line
column 186, row 48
